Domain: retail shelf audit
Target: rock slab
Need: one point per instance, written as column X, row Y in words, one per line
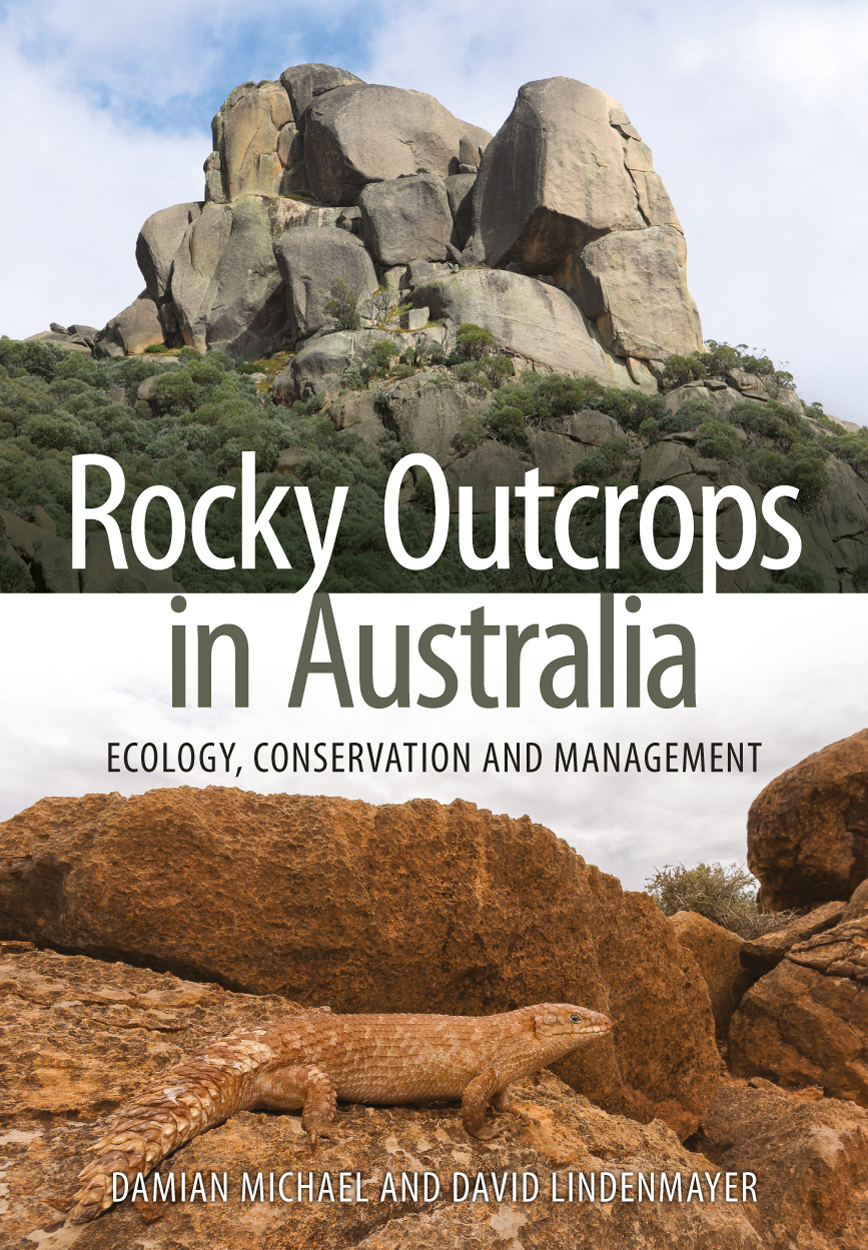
column 410, row 907
column 79, row 1036
column 810, row 1159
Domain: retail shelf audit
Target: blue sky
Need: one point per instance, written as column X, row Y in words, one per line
column 757, row 114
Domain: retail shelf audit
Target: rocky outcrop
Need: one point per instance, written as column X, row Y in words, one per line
column 810, row 1158
column 633, row 284
column 310, row 261
column 78, row 1036
column 530, row 320
column 421, row 186
column 132, row 330
column 361, row 134
column 553, row 178
column 407, row 219
column 764, row 953
column 716, row 951
column 567, row 188
column 253, row 136
column 806, row 1022
column 413, row 907
column 32, row 535
column 808, row 829
column 226, row 286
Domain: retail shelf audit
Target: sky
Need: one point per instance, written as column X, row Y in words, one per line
column 85, row 671
column 756, row 112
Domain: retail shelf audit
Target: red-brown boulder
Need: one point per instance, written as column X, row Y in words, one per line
column 810, row 1158
column 807, row 832
column 806, row 1022
column 410, row 907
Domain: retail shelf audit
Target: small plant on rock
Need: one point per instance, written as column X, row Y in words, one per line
column 342, row 304
column 724, row 893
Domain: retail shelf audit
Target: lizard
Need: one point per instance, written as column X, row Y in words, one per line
column 310, row 1062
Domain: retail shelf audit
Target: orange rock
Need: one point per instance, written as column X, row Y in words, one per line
column 58, row 1030
column 412, row 907
column 810, row 1160
column 806, row 1022
column 717, row 952
column 807, row 832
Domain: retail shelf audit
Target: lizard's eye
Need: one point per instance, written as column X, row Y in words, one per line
column 574, row 1019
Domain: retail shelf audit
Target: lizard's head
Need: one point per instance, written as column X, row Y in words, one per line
column 561, row 1027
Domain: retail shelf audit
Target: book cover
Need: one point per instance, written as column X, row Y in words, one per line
column 422, row 640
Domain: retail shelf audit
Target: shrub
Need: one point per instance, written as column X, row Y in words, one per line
column 725, row 894
column 352, row 380
column 342, row 304
column 473, row 342
column 14, row 577
column 860, row 579
column 380, row 355
column 717, row 440
column 801, row 581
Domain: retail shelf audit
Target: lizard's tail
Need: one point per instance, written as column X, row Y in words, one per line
column 203, row 1090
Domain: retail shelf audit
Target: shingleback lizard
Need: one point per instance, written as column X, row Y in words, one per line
column 312, row 1061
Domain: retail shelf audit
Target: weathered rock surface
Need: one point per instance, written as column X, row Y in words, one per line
column 716, row 951
column 303, row 83
column 138, row 326
column 310, row 260
column 158, row 241
column 431, row 414
column 633, row 283
column 528, row 318
column 553, row 178
column 79, row 1036
column 246, row 135
column 807, row 832
column 764, row 953
column 361, row 133
column 325, row 357
column 406, row 219
column 227, row 288
column 50, row 564
column 23, row 531
column 393, row 908
column 830, row 544
column 806, row 1022
column 810, row 1159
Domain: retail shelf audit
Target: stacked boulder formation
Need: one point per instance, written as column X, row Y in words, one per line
column 556, row 235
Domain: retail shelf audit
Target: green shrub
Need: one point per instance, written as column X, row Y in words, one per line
column 14, row 577
column 473, row 342
column 801, row 581
column 717, row 440
column 342, row 304
column 352, row 380
column 860, row 579
column 380, row 356
column 724, row 894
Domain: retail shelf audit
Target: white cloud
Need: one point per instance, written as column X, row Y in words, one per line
column 79, row 185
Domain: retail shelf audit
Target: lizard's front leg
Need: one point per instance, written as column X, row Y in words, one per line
column 309, row 1087
column 478, row 1094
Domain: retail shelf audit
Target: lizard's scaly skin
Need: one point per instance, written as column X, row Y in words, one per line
column 312, row 1061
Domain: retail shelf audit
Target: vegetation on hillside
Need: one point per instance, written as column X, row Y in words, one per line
column 202, row 412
